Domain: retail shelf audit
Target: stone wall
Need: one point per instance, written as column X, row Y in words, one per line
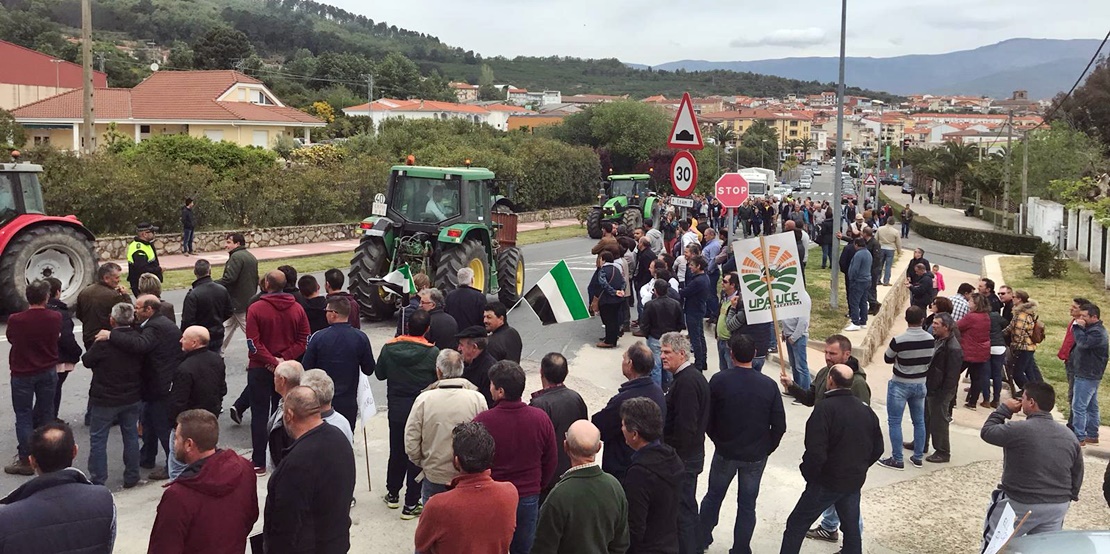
column 115, row 248
column 894, row 307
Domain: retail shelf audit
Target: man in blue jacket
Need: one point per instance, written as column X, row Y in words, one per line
column 695, row 298
column 341, row 351
column 636, row 367
column 1088, row 357
column 859, row 281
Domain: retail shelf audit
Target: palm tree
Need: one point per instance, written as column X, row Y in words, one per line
column 723, row 133
column 807, row 145
column 955, row 163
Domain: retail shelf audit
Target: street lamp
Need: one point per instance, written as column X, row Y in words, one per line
column 762, row 151
column 57, row 76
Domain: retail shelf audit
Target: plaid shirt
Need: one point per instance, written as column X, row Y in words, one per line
column 960, row 307
column 1021, row 332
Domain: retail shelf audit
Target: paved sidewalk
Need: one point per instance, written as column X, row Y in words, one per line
column 952, row 217
column 219, row 257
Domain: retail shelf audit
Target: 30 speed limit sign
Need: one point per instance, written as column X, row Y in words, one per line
column 684, row 173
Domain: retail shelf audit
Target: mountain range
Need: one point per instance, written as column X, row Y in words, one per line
column 1043, row 67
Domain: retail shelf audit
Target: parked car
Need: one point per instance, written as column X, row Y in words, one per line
column 907, row 188
column 816, row 171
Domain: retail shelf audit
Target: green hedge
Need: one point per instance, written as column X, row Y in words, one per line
column 995, row 241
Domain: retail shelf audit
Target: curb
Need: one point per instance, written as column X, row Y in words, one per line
column 879, row 325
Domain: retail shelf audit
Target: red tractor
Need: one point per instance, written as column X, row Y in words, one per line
column 34, row 245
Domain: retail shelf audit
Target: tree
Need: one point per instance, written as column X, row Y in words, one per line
column 630, row 130
column 181, row 56
column 490, row 93
column 807, row 145
column 956, row 163
column 221, row 48
column 397, row 77
column 12, row 134
column 1088, row 108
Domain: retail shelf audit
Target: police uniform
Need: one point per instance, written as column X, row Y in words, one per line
column 142, row 258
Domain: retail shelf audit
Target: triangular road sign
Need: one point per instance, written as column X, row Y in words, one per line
column 685, row 133
column 871, row 179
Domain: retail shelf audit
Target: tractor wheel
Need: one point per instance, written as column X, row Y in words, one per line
column 593, row 223
column 375, row 302
column 471, row 253
column 46, row 251
column 510, row 275
column 632, row 218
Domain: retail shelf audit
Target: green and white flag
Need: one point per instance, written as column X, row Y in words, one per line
column 555, row 298
column 401, row 279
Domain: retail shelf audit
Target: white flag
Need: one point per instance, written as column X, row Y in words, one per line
column 366, row 406
column 1002, row 530
column 785, row 275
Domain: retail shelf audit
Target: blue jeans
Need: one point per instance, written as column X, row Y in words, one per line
column 156, row 429
column 688, row 538
column 33, row 405
column 429, row 489
column 757, row 363
column 826, row 255
column 888, row 263
column 898, row 395
column 176, row 467
column 857, row 302
column 1025, row 369
column 814, row 500
column 102, row 418
column 527, row 513
column 187, row 241
column 997, row 362
column 657, row 369
column 799, row 365
column 724, row 355
column 905, row 229
column 721, row 472
column 696, row 327
column 1084, row 408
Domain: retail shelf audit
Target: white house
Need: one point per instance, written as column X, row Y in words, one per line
column 494, row 115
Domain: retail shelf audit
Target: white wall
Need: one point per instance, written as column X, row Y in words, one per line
column 1045, row 219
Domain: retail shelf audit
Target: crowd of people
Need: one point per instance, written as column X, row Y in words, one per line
column 482, row 470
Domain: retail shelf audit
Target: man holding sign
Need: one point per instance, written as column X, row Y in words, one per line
column 1042, row 467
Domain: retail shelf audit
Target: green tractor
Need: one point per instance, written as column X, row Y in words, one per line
column 625, row 200
column 437, row 220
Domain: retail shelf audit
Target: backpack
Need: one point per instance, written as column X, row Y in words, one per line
column 1037, row 335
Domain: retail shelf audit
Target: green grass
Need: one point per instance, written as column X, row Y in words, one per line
column 1053, row 297
column 182, row 278
column 824, row 320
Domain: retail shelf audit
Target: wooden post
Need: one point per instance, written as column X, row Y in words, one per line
column 366, row 450
column 1016, row 527
column 771, row 301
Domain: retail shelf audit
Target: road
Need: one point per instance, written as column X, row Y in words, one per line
column 538, row 340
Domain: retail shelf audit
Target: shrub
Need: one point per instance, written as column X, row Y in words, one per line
column 995, row 241
column 1047, row 262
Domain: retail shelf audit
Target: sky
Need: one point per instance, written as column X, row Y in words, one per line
column 658, row 31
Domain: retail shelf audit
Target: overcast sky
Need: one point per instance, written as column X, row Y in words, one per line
column 657, row 31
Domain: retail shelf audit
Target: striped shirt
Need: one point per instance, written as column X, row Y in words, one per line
column 910, row 353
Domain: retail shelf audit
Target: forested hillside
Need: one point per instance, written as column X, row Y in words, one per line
column 310, row 51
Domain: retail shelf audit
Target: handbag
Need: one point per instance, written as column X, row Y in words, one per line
column 595, row 302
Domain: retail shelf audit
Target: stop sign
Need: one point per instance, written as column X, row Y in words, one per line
column 731, row 190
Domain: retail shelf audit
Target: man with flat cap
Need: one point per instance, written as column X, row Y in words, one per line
column 473, row 343
column 141, row 256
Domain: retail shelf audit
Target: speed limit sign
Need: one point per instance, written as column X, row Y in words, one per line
column 684, row 173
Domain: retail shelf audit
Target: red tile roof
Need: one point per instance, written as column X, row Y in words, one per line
column 169, row 96
column 23, row 66
column 390, row 104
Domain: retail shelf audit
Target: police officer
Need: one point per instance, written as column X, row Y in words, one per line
column 141, row 257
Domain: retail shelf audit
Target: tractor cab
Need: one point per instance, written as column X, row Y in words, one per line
column 625, row 200
column 628, row 186
column 20, row 191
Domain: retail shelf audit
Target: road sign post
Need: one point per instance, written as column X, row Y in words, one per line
column 684, row 173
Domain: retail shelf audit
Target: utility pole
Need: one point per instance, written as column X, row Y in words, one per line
column 1025, row 183
column 1006, row 189
column 87, row 131
column 370, row 100
column 100, row 61
column 839, row 159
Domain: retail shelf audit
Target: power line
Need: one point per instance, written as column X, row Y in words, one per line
column 1077, row 81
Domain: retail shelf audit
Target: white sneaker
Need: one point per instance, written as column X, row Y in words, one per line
column 852, row 327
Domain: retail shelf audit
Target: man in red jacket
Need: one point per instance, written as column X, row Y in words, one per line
column 33, row 360
column 212, row 506
column 277, row 330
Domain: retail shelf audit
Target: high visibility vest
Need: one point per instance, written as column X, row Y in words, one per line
column 140, row 246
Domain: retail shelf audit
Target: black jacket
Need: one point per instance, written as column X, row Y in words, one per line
column 316, row 310
column 308, row 500
column 944, row 369
column 846, row 257
column 644, row 258
column 825, row 232
column 69, row 352
column 187, row 219
column 467, row 305
column 843, row 440
column 653, row 486
column 442, row 330
column 563, row 406
column 159, row 343
column 117, row 373
column 343, row 352
column 696, row 295
column 661, row 315
column 504, row 344
column 55, row 513
column 198, row 383
column 746, row 418
column 687, row 413
column 477, row 372
column 208, row 304
column 617, row 455
column 922, row 291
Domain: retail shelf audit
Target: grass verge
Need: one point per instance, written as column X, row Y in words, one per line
column 824, row 320
column 182, row 278
column 1053, row 297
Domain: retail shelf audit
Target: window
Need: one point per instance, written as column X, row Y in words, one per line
column 214, row 135
column 260, row 97
column 261, row 139
column 793, row 123
column 793, row 133
column 8, row 209
column 425, row 200
column 32, row 192
column 38, row 141
column 144, row 129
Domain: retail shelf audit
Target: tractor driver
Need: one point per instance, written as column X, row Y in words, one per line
column 434, row 203
column 443, row 204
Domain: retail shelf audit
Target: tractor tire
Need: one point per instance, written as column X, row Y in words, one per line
column 593, row 223
column 632, row 218
column 471, row 253
column 371, row 260
column 46, row 251
column 510, row 275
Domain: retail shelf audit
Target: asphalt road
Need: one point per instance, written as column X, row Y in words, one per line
column 538, row 340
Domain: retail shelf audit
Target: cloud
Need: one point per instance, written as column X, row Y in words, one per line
column 791, row 38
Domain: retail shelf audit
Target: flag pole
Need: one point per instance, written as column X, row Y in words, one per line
column 1012, row 534
column 771, row 301
column 518, row 301
column 366, row 450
